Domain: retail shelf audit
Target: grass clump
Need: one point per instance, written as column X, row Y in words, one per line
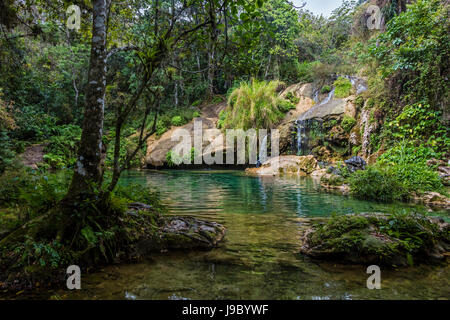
column 255, row 104
column 343, row 87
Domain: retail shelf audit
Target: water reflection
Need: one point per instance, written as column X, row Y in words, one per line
column 265, row 217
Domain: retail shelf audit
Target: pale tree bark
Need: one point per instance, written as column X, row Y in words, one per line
column 88, row 168
column 212, row 48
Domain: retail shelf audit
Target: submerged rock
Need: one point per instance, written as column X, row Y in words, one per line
column 397, row 240
column 155, row 233
column 433, row 199
column 336, row 182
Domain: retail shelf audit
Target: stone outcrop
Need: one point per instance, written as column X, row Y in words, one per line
column 433, row 199
column 365, row 239
column 158, row 147
column 161, row 233
column 355, row 163
column 300, row 165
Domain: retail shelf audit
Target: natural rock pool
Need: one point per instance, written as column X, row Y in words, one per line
column 259, row 259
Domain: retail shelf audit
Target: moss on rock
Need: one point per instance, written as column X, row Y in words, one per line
column 392, row 240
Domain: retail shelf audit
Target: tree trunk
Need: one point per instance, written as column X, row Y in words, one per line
column 211, row 49
column 88, row 168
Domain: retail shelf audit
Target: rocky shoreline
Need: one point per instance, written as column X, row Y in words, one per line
column 331, row 178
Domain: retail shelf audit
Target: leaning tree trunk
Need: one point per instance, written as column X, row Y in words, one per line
column 88, row 168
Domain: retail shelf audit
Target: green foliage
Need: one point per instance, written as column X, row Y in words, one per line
column 135, row 193
column 292, row 98
column 173, row 159
column 161, row 128
column 34, row 192
column 415, row 48
column 62, row 148
column 325, row 89
column 348, row 123
column 177, row 121
column 222, row 117
column 359, row 101
column 255, row 104
column 390, row 183
column 406, row 153
column 343, row 86
column 285, row 105
column 420, row 122
column 399, row 235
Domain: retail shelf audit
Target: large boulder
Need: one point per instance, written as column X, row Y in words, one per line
column 161, row 233
column 375, row 239
column 158, row 147
column 300, row 165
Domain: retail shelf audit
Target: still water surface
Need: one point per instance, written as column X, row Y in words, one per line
column 259, row 259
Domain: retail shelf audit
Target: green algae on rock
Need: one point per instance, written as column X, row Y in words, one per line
column 390, row 240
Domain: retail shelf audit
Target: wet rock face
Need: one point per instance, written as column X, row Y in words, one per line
column 355, row 163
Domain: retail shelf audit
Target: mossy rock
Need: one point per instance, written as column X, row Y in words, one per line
column 39, row 251
column 389, row 240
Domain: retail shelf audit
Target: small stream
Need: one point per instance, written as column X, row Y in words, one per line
column 259, row 259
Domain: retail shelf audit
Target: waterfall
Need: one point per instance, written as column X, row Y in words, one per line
column 316, row 97
column 302, row 137
column 328, row 98
column 263, row 150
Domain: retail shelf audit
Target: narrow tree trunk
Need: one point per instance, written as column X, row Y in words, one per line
column 211, row 49
column 88, row 168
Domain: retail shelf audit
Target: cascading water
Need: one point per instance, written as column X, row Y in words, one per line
column 302, row 136
column 263, row 150
column 328, row 98
column 303, row 123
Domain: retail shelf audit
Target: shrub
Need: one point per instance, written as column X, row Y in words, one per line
column 217, row 99
column 285, row 106
column 177, row 121
column 196, row 114
column 62, row 148
column 406, row 153
column 292, row 98
column 343, row 87
column 325, row 89
column 222, row 117
column 161, row 127
column 359, row 101
column 196, row 103
column 348, row 123
column 395, row 182
column 376, row 184
column 136, row 193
